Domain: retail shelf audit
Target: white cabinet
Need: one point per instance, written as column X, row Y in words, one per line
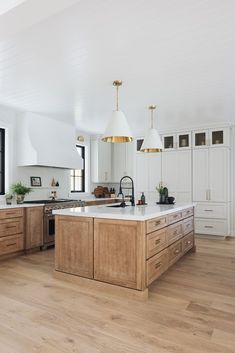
column 210, row 174
column 148, row 175
column 122, row 160
column 100, row 161
column 217, row 137
column 176, row 174
column 180, row 141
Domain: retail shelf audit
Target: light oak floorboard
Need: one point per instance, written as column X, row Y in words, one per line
column 190, row 309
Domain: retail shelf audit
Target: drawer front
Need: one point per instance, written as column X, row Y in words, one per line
column 11, row 244
column 187, row 242
column 175, row 252
column 156, row 266
column 174, row 217
column 211, row 226
column 188, row 225
column 156, row 242
column 174, row 232
column 187, row 213
column 156, row 223
column 11, row 226
column 211, row 211
column 11, row 213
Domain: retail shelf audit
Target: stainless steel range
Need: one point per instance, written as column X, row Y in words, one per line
column 49, row 218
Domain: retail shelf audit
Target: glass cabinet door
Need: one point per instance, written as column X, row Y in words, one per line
column 217, row 137
column 139, row 143
column 200, row 139
column 169, row 142
column 184, row 140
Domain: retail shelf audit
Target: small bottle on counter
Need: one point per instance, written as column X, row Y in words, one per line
column 143, row 199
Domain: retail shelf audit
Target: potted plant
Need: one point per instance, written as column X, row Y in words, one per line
column 20, row 190
column 161, row 189
column 8, row 198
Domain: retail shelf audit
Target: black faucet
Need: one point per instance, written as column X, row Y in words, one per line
column 132, row 199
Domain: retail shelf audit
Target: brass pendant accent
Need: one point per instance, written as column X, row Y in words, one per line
column 117, row 139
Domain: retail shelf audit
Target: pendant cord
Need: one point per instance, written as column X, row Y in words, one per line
column 117, row 104
column 151, row 119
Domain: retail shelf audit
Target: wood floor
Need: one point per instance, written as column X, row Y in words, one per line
column 190, row 309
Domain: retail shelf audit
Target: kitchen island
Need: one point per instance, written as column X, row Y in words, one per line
column 129, row 247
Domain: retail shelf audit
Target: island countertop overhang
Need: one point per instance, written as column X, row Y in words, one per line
column 137, row 213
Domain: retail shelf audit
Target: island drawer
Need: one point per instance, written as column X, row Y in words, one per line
column 156, row 223
column 187, row 242
column 11, row 213
column 174, row 217
column 187, row 213
column 11, row 244
column 174, row 232
column 156, row 242
column 188, row 225
column 156, row 266
column 11, row 226
column 175, row 252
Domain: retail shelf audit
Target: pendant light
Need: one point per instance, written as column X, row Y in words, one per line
column 117, row 129
column 152, row 141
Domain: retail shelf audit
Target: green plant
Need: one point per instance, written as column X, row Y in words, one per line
column 20, row 189
column 8, row 196
column 160, row 189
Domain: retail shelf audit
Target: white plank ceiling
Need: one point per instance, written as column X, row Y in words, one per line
column 61, row 57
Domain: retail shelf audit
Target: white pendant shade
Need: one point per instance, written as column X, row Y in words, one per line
column 117, row 129
column 152, row 142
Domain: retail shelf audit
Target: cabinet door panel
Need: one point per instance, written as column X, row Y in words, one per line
column 154, row 171
column 34, row 227
column 200, row 174
column 169, row 170
column 141, row 172
column 218, row 173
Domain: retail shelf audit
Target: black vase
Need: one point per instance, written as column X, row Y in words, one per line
column 162, row 198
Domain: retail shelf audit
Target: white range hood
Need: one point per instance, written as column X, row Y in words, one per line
column 46, row 142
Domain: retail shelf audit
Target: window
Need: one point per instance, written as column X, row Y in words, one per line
column 77, row 176
column 2, row 161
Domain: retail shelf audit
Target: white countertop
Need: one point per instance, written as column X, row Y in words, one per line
column 24, row 205
column 137, row 213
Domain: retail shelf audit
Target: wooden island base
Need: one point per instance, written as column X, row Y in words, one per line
column 121, row 256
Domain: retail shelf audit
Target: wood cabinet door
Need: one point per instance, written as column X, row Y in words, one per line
column 74, row 245
column 119, row 252
column 218, row 174
column 34, row 227
column 200, row 174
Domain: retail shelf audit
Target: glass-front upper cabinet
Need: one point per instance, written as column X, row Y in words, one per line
column 200, row 138
column 211, row 137
column 139, row 142
column 184, row 140
column 169, row 142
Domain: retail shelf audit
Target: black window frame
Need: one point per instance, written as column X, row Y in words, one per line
column 2, row 163
column 83, row 176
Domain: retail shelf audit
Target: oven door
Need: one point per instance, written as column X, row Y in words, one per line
column 49, row 229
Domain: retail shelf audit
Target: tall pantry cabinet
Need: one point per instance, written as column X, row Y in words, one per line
column 211, row 181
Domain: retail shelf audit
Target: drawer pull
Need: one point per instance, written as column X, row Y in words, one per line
column 175, row 232
column 9, row 227
column 12, row 244
column 157, row 241
column 11, row 213
column 208, row 210
column 157, row 223
column 188, row 242
column 176, row 216
column 157, row 265
column 176, row 251
column 209, row 227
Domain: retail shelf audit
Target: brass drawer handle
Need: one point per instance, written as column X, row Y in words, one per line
column 208, row 210
column 176, row 251
column 11, row 244
column 157, row 241
column 9, row 227
column 188, row 242
column 175, row 232
column 209, row 227
column 157, row 223
column 157, row 265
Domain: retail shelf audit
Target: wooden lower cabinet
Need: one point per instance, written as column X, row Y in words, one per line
column 11, row 244
column 74, row 245
column 188, row 242
column 156, row 266
column 119, row 252
column 33, row 227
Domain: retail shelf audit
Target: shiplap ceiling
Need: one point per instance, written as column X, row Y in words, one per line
column 61, row 57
